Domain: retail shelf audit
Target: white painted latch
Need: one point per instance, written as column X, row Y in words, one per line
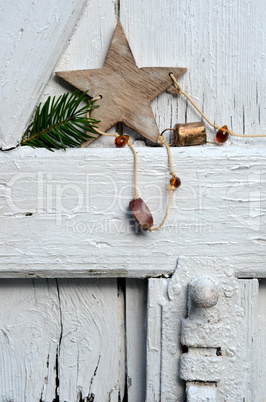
column 201, row 334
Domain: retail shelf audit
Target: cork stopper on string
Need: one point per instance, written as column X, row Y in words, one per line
column 188, row 134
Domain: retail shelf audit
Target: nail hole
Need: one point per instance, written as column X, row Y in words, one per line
column 184, row 348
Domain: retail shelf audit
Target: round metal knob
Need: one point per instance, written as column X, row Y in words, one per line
column 204, row 292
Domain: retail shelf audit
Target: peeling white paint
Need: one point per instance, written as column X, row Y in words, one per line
column 216, row 222
column 76, row 219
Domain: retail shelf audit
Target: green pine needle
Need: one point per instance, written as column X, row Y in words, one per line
column 61, row 123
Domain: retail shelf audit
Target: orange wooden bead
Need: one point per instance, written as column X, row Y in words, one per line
column 222, row 135
column 175, row 181
column 121, row 141
column 141, row 214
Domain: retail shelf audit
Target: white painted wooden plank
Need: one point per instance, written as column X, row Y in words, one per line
column 30, row 330
column 136, row 315
column 88, row 45
column 88, row 349
column 261, row 342
column 34, row 34
column 248, row 295
column 121, row 315
column 87, row 48
column 59, row 339
column 252, row 293
column 80, row 227
column 222, row 46
column 156, row 298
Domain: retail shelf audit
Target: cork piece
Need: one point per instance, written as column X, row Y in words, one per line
column 126, row 90
column 189, row 134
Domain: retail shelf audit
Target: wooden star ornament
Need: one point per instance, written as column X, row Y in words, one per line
column 126, row 90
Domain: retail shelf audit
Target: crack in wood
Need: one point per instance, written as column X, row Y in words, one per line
column 244, row 124
column 121, row 293
column 9, row 149
column 117, row 10
column 91, row 396
column 88, row 398
column 57, row 380
column 45, row 378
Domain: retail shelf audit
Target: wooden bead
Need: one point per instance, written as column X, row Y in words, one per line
column 189, row 134
column 141, row 214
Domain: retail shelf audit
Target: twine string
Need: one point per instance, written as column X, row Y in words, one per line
column 129, row 143
column 152, row 228
column 135, row 168
column 178, row 90
column 161, row 141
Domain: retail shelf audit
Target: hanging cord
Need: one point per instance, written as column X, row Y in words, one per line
column 178, row 90
column 129, row 143
column 161, row 141
column 135, row 168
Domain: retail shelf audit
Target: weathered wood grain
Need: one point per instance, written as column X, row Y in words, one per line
column 88, row 348
column 125, row 89
column 88, row 45
column 34, row 35
column 136, row 335
column 252, row 354
column 30, row 330
column 72, row 219
column 222, row 46
column 58, row 341
column 156, row 298
column 261, row 342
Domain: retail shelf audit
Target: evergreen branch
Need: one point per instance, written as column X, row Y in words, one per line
column 61, row 123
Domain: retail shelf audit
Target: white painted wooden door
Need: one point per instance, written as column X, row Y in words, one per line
column 89, row 310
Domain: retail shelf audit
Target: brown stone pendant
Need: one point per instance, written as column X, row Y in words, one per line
column 141, row 214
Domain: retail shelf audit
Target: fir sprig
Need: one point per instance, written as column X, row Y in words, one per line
column 61, row 123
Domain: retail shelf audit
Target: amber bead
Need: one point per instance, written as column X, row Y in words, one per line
column 142, row 217
column 222, row 135
column 121, row 141
column 175, row 181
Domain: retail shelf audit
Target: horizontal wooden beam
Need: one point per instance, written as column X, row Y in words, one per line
column 65, row 214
